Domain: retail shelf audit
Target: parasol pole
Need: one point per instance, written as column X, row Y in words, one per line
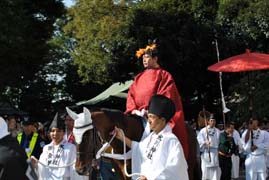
column 224, row 108
column 250, row 95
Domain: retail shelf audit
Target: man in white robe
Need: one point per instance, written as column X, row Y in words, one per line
column 255, row 144
column 160, row 155
column 208, row 139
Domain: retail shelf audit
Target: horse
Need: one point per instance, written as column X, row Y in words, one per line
column 91, row 129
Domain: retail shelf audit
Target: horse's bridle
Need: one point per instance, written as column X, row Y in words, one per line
column 95, row 137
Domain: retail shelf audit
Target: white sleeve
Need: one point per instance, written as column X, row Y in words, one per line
column 136, row 158
column 238, row 141
column 218, row 134
column 73, row 174
column 265, row 143
column 245, row 145
column 201, row 139
column 176, row 167
column 43, row 159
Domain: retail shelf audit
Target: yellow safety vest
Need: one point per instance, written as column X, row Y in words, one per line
column 32, row 143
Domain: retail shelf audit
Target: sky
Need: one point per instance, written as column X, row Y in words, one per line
column 68, row 3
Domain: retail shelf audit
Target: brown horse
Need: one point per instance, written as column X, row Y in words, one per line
column 103, row 123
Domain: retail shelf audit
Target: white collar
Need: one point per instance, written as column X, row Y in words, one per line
column 208, row 127
column 61, row 143
column 166, row 129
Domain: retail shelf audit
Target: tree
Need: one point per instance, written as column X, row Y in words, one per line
column 26, row 25
column 101, row 43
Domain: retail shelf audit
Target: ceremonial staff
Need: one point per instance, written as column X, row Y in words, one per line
column 207, row 135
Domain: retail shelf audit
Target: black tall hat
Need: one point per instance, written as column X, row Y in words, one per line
column 162, row 107
column 212, row 116
column 57, row 123
column 27, row 121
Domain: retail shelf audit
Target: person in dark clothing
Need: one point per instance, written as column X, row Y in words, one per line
column 13, row 160
column 31, row 141
column 227, row 147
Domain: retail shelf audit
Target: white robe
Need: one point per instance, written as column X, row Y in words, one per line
column 68, row 156
column 267, row 156
column 235, row 158
column 255, row 162
column 166, row 162
column 210, row 169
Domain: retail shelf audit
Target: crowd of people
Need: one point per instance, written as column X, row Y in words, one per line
column 223, row 152
column 40, row 153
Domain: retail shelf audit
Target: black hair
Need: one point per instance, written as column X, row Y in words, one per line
column 228, row 124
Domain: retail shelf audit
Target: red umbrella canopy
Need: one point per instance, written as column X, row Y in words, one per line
column 242, row 62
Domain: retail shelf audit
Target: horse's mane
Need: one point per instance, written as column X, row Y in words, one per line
column 119, row 117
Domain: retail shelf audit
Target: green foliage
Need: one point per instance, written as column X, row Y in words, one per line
column 245, row 21
column 99, row 30
column 26, row 26
column 62, row 73
column 251, row 89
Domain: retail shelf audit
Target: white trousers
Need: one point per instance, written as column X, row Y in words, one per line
column 255, row 167
column 211, row 173
column 235, row 166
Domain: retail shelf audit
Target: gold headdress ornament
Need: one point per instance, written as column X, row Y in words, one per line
column 142, row 51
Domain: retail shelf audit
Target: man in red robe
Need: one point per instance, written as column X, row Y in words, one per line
column 154, row 80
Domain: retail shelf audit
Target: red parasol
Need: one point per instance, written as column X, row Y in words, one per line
column 243, row 62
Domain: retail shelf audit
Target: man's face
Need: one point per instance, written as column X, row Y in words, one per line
column 255, row 123
column 12, row 123
column 149, row 61
column 232, row 127
column 212, row 122
column 229, row 130
column 27, row 129
column 156, row 123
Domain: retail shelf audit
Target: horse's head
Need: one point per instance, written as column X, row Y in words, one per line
column 86, row 138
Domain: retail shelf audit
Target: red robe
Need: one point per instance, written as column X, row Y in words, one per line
column 158, row 81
